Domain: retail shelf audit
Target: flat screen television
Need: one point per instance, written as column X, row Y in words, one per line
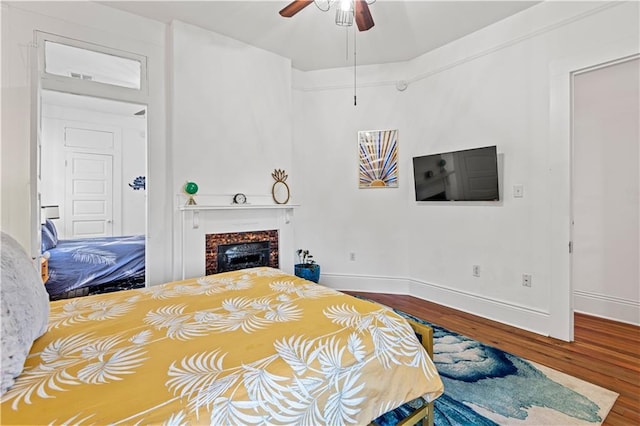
column 467, row 175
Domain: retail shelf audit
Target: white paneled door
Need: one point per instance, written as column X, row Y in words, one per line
column 88, row 195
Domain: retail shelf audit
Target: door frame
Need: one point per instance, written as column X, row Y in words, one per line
column 560, row 162
column 40, row 80
column 619, row 61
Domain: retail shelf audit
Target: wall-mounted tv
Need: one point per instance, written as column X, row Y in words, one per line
column 467, row 175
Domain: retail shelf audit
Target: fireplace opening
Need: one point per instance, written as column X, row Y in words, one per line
column 238, row 250
column 232, row 257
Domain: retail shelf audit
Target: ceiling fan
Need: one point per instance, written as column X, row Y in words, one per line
column 359, row 8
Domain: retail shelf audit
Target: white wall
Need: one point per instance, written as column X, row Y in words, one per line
column 491, row 87
column 94, row 23
column 336, row 218
column 230, row 119
column 131, row 133
column 134, row 164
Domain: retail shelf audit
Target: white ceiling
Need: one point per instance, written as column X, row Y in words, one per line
column 403, row 29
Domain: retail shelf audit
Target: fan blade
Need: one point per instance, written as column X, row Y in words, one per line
column 294, row 7
column 363, row 15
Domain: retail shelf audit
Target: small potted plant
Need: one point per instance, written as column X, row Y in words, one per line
column 306, row 267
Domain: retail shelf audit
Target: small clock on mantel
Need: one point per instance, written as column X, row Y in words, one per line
column 239, row 198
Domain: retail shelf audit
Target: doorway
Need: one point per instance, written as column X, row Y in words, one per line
column 91, row 166
column 92, row 151
column 93, row 158
column 605, row 190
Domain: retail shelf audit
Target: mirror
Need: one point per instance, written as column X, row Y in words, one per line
column 280, row 192
column 280, row 189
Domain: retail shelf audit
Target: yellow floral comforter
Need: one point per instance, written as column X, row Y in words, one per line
column 256, row 346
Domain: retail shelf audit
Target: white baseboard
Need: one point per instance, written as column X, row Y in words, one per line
column 609, row 307
column 533, row 320
column 365, row 283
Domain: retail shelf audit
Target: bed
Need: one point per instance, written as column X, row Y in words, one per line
column 255, row 346
column 92, row 265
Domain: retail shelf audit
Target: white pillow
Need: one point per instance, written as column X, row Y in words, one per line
column 25, row 308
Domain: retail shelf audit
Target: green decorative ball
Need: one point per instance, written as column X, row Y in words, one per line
column 191, row 188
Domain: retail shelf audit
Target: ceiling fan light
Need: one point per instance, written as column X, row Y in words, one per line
column 344, row 18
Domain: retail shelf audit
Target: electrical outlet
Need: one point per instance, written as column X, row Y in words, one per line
column 526, row 280
column 518, row 191
column 352, row 256
column 476, row 270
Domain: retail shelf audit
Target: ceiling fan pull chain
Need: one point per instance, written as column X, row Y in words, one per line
column 346, row 32
column 355, row 99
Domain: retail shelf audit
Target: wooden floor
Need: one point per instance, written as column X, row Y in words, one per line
column 606, row 353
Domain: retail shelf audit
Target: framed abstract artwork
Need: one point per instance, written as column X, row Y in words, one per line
column 378, row 152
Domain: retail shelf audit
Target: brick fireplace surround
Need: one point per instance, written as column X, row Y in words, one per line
column 212, row 241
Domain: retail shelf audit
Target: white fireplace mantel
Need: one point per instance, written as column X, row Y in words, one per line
column 196, row 221
column 198, row 207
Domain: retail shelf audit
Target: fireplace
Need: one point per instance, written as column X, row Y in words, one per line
column 232, row 257
column 239, row 250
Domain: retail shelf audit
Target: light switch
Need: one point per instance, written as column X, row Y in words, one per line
column 518, row 191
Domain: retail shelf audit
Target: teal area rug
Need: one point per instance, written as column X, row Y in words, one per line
column 484, row 385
